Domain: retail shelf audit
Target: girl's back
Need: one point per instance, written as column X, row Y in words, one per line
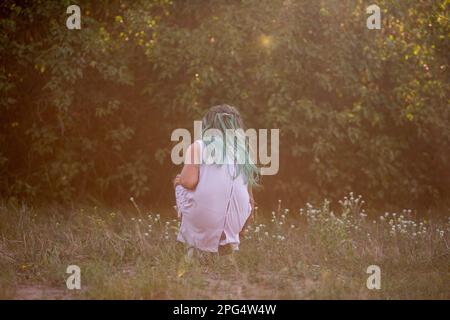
column 214, row 213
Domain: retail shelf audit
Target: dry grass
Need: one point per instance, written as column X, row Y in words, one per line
column 310, row 254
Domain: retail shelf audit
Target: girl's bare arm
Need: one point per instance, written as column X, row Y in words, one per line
column 188, row 177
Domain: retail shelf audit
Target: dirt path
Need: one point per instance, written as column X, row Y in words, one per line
column 40, row 292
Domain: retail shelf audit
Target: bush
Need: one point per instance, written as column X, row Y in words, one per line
column 88, row 113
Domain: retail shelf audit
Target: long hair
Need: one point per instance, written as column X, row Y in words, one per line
column 224, row 117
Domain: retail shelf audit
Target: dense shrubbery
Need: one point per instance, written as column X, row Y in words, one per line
column 88, row 113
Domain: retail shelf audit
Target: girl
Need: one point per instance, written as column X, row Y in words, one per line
column 215, row 200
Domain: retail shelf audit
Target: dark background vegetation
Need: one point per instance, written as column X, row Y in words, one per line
column 86, row 115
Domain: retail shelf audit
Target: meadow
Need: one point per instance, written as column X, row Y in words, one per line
column 317, row 252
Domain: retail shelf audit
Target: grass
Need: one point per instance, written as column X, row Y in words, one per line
column 313, row 253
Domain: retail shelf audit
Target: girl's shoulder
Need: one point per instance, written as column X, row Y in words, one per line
column 194, row 152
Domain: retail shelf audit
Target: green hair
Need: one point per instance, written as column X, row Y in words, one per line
column 222, row 118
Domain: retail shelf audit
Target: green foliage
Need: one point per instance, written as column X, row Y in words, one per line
column 90, row 111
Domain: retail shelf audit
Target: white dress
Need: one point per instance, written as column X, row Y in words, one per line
column 215, row 212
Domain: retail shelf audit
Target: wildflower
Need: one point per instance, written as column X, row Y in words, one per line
column 292, row 226
column 132, row 219
column 146, row 234
column 266, row 233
